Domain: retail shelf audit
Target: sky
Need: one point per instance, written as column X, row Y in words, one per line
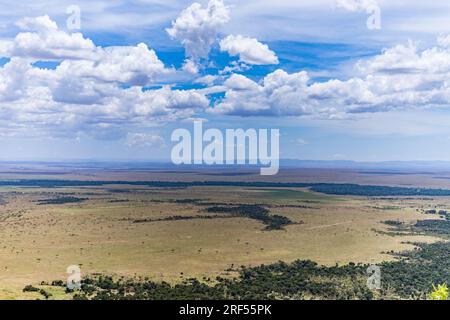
column 363, row 80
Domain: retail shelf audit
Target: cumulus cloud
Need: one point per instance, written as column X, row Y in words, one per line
column 104, row 91
column 249, row 50
column 196, row 28
column 41, row 24
column 99, row 94
column 189, row 66
column 13, row 79
column 206, row 80
column 165, row 102
column 238, row 82
column 137, row 65
column 39, row 101
column 79, row 57
column 44, row 41
column 402, row 77
column 235, row 66
column 279, row 93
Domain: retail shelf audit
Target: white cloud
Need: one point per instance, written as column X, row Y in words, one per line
column 98, row 91
column 137, row 65
column 99, row 95
column 45, row 41
column 279, row 93
column 196, row 28
column 401, row 77
column 190, row 67
column 207, row 80
column 79, row 57
column 12, row 79
column 42, row 24
column 238, row 82
column 35, row 101
column 249, row 50
column 165, row 102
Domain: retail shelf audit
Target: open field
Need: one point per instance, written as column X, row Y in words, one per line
column 168, row 233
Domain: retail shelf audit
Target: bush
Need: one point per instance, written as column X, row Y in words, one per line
column 30, row 288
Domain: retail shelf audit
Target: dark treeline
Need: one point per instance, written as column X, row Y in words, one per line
column 327, row 188
column 180, row 218
column 250, row 211
column 206, row 202
column 60, row 200
column 394, row 223
column 257, row 212
column 438, row 227
column 280, row 280
column 443, row 213
column 376, row 191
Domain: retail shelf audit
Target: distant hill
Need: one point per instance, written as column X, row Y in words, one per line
column 284, row 163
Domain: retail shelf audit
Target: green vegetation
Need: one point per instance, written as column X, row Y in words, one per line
column 180, row 218
column 277, row 281
column 327, row 188
column 61, row 200
column 442, row 213
column 394, row 223
column 253, row 211
column 440, row 293
column 437, row 227
column 375, row 191
column 30, row 288
column 272, row 222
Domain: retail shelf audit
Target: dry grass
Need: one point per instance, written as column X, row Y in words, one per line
column 38, row 242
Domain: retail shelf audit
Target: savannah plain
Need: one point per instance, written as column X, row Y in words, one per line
column 166, row 233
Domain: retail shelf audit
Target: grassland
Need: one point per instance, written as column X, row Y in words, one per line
column 41, row 234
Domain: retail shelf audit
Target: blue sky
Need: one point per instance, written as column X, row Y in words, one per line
column 136, row 70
